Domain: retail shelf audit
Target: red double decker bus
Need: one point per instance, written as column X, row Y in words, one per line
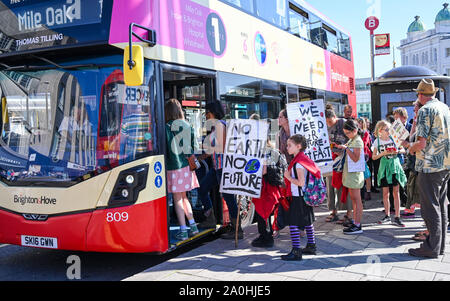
column 68, row 179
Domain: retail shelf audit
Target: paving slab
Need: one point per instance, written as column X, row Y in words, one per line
column 379, row 254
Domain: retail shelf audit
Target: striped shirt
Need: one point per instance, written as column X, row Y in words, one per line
column 135, row 126
column 217, row 157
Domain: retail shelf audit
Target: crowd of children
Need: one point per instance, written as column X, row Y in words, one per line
column 363, row 162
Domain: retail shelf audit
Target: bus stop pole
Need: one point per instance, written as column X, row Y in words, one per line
column 372, row 55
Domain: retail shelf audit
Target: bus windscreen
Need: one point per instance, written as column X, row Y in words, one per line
column 59, row 126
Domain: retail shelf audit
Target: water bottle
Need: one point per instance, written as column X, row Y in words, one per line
column 197, row 164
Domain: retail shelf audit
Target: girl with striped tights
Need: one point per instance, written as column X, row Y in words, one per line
column 299, row 216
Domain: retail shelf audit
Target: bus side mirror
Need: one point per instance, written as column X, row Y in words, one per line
column 133, row 68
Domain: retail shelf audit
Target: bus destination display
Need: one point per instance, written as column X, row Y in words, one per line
column 26, row 25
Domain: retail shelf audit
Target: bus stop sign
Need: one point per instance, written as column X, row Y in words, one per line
column 372, row 23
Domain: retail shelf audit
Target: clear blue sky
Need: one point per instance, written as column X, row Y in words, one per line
column 395, row 17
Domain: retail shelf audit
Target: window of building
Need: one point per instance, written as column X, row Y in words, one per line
column 272, row 11
column 246, row 5
column 435, row 55
column 447, row 52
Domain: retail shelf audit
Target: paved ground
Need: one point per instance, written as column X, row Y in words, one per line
column 381, row 253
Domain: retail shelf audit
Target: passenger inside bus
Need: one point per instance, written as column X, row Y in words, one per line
column 135, row 133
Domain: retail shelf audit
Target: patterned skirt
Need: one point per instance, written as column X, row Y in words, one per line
column 181, row 180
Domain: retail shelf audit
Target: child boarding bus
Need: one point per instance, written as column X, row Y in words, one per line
column 68, row 178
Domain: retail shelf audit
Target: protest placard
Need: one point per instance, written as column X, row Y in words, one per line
column 244, row 157
column 398, row 133
column 307, row 118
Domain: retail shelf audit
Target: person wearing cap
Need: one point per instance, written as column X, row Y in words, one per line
column 432, row 149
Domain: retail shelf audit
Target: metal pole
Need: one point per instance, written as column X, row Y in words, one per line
column 237, row 223
column 393, row 51
column 372, row 55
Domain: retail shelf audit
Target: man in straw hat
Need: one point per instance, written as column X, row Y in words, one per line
column 432, row 149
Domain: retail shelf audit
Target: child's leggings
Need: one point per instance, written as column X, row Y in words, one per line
column 295, row 235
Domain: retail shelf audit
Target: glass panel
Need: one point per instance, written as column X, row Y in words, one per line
column 305, row 94
column 292, row 93
column 316, row 31
column 330, row 41
column 240, row 94
column 50, row 121
column 344, row 46
column 246, row 5
column 193, row 97
column 298, row 25
column 388, row 100
column 270, row 100
column 337, row 101
column 272, row 11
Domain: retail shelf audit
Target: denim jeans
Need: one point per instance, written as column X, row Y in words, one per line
column 209, row 181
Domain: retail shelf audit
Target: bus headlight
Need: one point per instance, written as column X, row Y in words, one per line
column 128, row 185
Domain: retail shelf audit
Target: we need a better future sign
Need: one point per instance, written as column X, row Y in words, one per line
column 307, row 118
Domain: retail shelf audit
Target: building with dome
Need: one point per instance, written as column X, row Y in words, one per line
column 428, row 48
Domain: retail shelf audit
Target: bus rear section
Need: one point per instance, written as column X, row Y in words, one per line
column 68, row 183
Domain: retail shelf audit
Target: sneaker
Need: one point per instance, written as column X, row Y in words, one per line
column 353, row 229
column 182, row 235
column 347, row 222
column 385, row 220
column 193, row 230
column 407, row 214
column 397, row 222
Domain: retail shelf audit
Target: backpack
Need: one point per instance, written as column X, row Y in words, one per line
column 315, row 190
column 275, row 172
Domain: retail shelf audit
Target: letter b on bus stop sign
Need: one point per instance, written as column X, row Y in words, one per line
column 372, row 23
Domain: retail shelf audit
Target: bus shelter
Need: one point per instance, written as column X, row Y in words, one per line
column 394, row 89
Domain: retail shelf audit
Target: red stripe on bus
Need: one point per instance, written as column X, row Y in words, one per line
column 145, row 229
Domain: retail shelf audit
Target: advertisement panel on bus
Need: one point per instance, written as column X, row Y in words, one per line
column 209, row 37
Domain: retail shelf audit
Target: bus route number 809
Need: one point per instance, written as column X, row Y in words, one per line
column 116, row 217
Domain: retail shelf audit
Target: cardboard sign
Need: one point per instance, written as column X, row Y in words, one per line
column 398, row 133
column 308, row 119
column 359, row 166
column 244, row 157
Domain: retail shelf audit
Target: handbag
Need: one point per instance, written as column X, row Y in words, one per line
column 193, row 163
column 339, row 163
column 367, row 173
column 284, row 200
